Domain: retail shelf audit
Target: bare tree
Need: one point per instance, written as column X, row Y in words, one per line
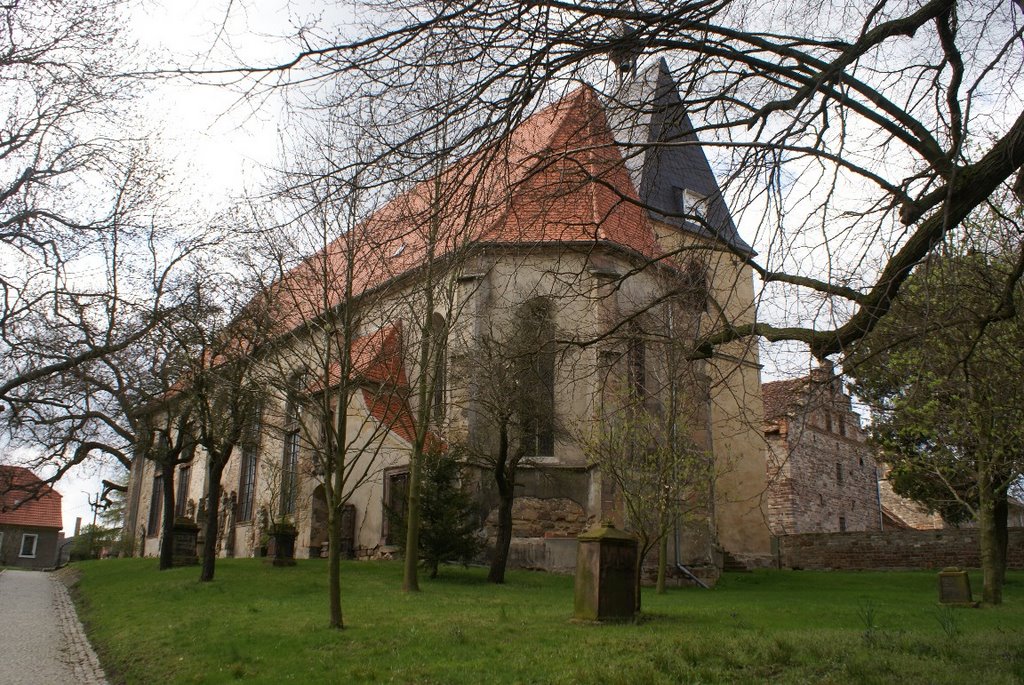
column 506, row 377
column 223, row 388
column 856, row 137
column 72, row 192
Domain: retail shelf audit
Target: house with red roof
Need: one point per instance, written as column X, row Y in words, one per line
column 30, row 520
column 599, row 223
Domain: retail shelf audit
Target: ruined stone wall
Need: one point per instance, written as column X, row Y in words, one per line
column 898, row 549
column 908, row 511
column 822, row 476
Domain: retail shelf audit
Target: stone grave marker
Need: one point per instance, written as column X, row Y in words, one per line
column 955, row 587
column 605, row 575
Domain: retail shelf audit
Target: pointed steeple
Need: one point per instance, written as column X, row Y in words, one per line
column 664, row 157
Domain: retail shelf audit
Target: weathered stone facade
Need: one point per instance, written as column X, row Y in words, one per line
column 598, row 262
column 821, row 474
column 902, row 513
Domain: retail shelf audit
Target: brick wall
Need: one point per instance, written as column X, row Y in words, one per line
column 821, row 475
column 898, row 549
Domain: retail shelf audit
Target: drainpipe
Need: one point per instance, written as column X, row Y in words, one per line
column 679, row 566
column 878, row 497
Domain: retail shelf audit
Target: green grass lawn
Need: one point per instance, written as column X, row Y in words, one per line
column 262, row 624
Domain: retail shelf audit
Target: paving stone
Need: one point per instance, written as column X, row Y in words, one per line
column 41, row 639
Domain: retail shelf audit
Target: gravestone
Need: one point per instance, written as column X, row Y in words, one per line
column 605, row 575
column 183, row 546
column 281, row 546
column 955, row 587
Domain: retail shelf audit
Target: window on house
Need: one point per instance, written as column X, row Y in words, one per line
column 396, row 499
column 828, row 422
column 28, row 545
column 537, row 377
column 155, row 508
column 839, row 473
column 842, row 524
column 842, row 425
column 439, row 332
column 181, row 501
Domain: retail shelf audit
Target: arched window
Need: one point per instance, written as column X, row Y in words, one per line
column 536, row 328
column 290, row 459
column 439, row 334
column 250, row 456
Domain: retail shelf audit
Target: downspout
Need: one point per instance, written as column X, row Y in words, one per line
column 679, row 566
column 878, row 497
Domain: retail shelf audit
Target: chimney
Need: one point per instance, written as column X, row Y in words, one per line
column 78, row 526
column 824, row 372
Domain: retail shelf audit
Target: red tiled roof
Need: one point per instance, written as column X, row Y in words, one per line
column 781, row 397
column 377, row 364
column 557, row 178
column 375, row 358
column 25, row 500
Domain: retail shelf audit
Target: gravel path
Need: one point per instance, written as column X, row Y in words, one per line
column 41, row 638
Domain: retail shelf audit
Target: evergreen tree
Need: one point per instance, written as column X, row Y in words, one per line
column 447, row 522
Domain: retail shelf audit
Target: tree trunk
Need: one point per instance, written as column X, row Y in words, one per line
column 504, row 538
column 1002, row 514
column 992, row 560
column 167, row 525
column 662, row 563
column 334, row 566
column 504, row 477
column 410, row 577
column 334, row 484
column 641, row 554
column 213, row 491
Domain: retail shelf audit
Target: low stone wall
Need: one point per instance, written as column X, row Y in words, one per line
column 897, row 549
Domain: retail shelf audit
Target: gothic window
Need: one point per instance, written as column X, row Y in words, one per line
column 290, row 459
column 155, row 510
column 693, row 286
column 537, row 377
column 839, row 473
column 247, row 472
column 396, row 497
column 439, row 331
column 184, row 477
column 290, row 473
column 842, row 425
column 828, row 422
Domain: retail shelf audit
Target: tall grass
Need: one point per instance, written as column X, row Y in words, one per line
column 262, row 624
